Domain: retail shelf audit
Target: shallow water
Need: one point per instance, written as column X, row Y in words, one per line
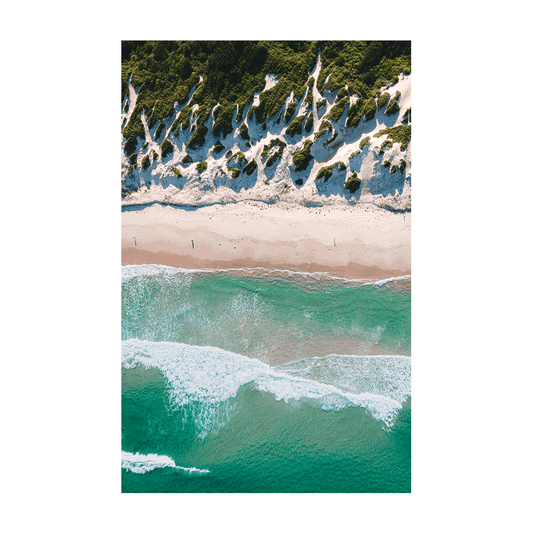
column 264, row 381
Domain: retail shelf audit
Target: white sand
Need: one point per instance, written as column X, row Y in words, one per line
column 356, row 241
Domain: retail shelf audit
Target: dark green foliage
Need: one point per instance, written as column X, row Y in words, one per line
column 338, row 109
column 392, row 108
column 166, row 72
column 133, row 159
column 274, row 142
column 386, row 144
column 326, row 172
column 218, row 147
column 309, row 123
column 289, row 112
column 228, row 154
column 155, row 156
column 406, row 116
column 353, row 182
column 239, row 158
column 364, row 142
column 187, row 159
column 321, row 103
column 398, row 134
column 299, row 181
column 166, row 148
column 393, row 169
column 403, row 164
column 309, row 98
column 386, row 164
column 201, row 166
column 235, row 172
column 301, row 158
column 273, row 158
column 243, row 132
column 361, row 108
column 182, row 120
column 198, row 137
column 177, row 172
column 342, row 93
column 145, row 162
column 250, row 167
column 159, row 130
column 329, row 141
column 295, row 127
column 383, row 99
column 223, row 116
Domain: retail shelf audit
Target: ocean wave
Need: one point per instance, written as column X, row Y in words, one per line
column 134, row 271
column 140, row 464
column 204, row 377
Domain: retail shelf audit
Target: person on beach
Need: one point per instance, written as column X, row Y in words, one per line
column 135, row 241
column 192, row 242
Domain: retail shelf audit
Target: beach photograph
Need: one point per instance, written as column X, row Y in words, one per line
column 266, row 266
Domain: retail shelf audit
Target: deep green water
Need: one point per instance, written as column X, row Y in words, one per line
column 264, row 381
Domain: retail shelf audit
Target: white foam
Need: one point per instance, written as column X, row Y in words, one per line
column 140, row 464
column 133, row 271
column 205, row 377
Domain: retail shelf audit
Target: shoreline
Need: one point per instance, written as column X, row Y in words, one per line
column 351, row 242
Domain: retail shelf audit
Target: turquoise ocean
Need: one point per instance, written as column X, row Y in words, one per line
column 256, row 380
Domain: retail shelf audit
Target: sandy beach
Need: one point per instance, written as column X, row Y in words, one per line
column 362, row 241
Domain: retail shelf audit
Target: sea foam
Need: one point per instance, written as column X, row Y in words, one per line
column 204, row 377
column 140, row 464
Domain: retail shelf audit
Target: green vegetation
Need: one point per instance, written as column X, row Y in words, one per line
column 197, row 138
column 145, row 162
column 301, row 158
column 273, row 158
column 289, row 112
column 183, row 120
column 329, row 141
column 299, row 181
column 320, row 104
column 295, row 127
column 353, row 182
column 386, row 163
column 166, row 148
column 361, row 109
column 309, row 98
column 364, row 142
column 309, row 123
column 201, row 166
column 223, row 116
column 164, row 73
column 235, row 172
column 159, row 130
column 243, row 132
column 338, row 109
column 398, row 134
column 385, row 144
column 342, row 93
column 393, row 169
column 177, row 172
column 383, row 99
column 326, row 172
column 274, row 142
column 392, row 108
column 250, row 167
column 155, row 156
column 218, row 147
column 239, row 158
column 133, row 159
column 403, row 164
column 187, row 159
column 406, row 116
